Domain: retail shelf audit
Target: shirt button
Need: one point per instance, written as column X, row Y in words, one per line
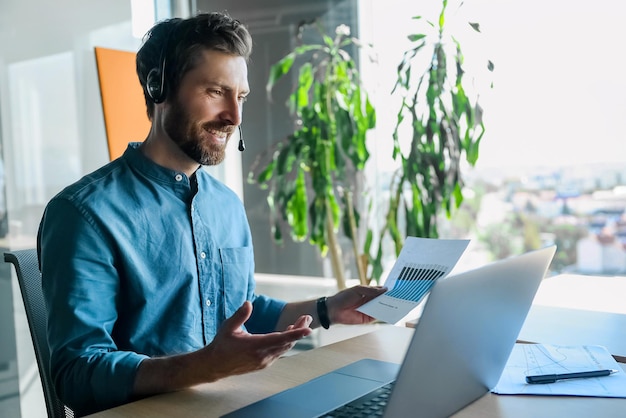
column 202, row 254
column 178, row 177
column 208, row 302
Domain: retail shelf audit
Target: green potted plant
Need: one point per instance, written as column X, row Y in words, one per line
column 312, row 174
column 446, row 127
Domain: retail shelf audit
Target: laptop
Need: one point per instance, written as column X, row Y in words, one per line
column 462, row 341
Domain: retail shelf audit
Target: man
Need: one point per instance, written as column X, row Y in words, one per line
column 147, row 263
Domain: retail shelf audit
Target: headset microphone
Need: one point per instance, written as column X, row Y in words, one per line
column 242, row 145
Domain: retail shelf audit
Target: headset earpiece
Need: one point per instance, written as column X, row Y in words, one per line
column 155, row 84
column 155, row 80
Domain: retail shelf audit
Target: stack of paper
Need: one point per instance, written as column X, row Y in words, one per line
column 543, row 359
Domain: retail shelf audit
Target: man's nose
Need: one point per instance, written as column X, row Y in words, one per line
column 232, row 112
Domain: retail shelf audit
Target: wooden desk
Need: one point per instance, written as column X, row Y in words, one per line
column 385, row 343
column 589, row 293
column 577, row 309
column 564, row 326
column 552, row 325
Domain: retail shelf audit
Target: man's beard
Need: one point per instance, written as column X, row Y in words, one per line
column 190, row 137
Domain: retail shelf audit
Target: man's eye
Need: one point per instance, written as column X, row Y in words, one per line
column 243, row 99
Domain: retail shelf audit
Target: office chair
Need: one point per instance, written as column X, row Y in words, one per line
column 29, row 278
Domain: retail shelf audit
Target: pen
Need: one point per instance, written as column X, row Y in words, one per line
column 551, row 378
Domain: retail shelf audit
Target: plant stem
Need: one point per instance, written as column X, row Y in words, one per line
column 335, row 250
column 355, row 247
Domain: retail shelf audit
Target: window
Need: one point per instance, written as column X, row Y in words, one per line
column 552, row 166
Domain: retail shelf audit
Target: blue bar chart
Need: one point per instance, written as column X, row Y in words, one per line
column 415, row 281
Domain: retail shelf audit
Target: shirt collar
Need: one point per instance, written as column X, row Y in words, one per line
column 138, row 161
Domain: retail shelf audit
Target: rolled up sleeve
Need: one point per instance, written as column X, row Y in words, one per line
column 265, row 314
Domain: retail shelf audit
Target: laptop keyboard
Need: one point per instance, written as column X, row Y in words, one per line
column 369, row 405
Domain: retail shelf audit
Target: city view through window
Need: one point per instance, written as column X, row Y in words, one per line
column 578, row 208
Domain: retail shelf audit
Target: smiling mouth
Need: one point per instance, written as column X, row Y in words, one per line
column 219, row 134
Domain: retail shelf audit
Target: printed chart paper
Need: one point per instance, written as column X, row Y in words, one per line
column 421, row 263
column 538, row 359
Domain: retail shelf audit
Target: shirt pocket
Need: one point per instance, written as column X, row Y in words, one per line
column 237, row 266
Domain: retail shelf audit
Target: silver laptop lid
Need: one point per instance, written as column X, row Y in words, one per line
column 465, row 335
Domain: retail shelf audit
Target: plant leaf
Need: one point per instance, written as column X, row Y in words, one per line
column 416, row 37
column 279, row 69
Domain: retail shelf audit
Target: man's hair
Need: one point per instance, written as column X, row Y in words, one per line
column 174, row 46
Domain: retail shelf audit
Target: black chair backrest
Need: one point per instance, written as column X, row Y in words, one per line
column 29, row 278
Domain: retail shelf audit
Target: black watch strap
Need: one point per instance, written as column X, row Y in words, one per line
column 322, row 312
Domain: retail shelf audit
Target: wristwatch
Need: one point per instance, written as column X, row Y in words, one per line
column 322, row 312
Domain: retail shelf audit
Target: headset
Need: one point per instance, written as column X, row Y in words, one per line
column 155, row 80
column 155, row 83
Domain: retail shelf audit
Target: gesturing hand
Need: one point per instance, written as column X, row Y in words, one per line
column 234, row 351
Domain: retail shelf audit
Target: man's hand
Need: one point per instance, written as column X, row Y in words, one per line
column 234, row 351
column 342, row 306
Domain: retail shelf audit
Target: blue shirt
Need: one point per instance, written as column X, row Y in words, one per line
column 138, row 260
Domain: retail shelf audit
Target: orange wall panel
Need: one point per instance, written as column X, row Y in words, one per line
column 123, row 103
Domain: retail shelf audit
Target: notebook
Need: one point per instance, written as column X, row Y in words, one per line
column 467, row 330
